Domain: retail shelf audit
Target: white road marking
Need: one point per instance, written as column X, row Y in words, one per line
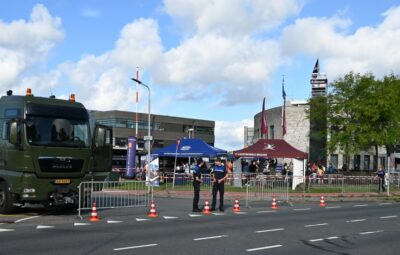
column 209, row 237
column 240, row 212
column 264, row 248
column 363, row 205
column 195, row 215
column 138, row 219
column 6, row 229
column 81, row 224
column 316, row 225
column 385, row 203
column 219, row 214
column 135, row 247
column 265, row 211
column 333, row 207
column 371, row 232
column 44, row 227
column 270, row 230
column 322, row 239
column 24, row 219
column 114, row 221
column 388, row 217
column 170, row 217
column 357, row 220
column 302, row 209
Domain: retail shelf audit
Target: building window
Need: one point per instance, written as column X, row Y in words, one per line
column 357, row 159
column 366, row 162
column 272, row 132
column 334, row 160
column 382, row 162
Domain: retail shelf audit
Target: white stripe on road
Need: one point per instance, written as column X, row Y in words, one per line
column 322, row 239
column 270, row 230
column 6, row 229
column 316, row 225
column 264, row 248
column 114, row 221
column 385, row 203
column 333, row 207
column 138, row 219
column 170, row 217
column 388, row 217
column 195, row 215
column 209, row 237
column 81, row 224
column 240, row 212
column 135, row 247
column 302, row 209
column 265, row 211
column 371, row 232
column 44, row 227
column 363, row 205
column 24, row 219
column 219, row 214
column 357, row 220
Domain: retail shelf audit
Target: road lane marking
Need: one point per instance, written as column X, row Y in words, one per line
column 302, row 209
column 195, row 215
column 357, row 220
column 170, row 217
column 265, row 247
column 24, row 219
column 363, row 205
column 322, row 239
column 270, row 230
column 114, row 221
column 316, row 225
column 385, row 203
column 81, row 224
column 135, row 247
column 6, row 229
column 44, row 227
column 388, row 217
column 209, row 237
column 240, row 212
column 333, row 207
column 371, row 232
column 218, row 214
column 139, row 219
column 265, row 211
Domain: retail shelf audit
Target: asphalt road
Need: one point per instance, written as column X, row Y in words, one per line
column 338, row 228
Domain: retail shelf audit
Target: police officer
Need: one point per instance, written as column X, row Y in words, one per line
column 381, row 174
column 219, row 175
column 196, row 184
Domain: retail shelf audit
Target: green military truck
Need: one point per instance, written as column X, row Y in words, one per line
column 47, row 147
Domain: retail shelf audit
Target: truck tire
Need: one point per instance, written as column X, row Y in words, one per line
column 6, row 199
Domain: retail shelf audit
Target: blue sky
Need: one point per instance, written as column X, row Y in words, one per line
column 206, row 59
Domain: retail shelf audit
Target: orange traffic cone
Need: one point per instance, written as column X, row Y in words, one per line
column 93, row 215
column 274, row 205
column 322, row 202
column 206, row 209
column 236, row 207
column 152, row 213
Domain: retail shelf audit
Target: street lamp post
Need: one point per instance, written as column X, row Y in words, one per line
column 148, row 139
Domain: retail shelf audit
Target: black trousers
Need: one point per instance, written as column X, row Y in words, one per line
column 196, row 186
column 221, row 188
column 381, row 184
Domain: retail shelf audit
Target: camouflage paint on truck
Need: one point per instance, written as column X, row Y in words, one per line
column 47, row 148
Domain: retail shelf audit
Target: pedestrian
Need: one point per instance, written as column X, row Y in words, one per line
column 219, row 175
column 196, row 184
column 381, row 174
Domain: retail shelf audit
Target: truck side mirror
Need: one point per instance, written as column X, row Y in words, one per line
column 14, row 134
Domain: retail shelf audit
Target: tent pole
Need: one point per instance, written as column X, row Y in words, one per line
column 173, row 178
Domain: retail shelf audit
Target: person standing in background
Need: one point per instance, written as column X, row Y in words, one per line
column 219, row 175
column 196, row 184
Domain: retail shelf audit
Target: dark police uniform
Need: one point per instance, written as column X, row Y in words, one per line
column 219, row 172
column 381, row 175
column 196, row 186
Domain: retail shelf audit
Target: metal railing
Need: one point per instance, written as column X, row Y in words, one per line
column 113, row 194
column 264, row 189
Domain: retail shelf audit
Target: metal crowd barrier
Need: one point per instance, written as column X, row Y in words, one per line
column 264, row 189
column 113, row 194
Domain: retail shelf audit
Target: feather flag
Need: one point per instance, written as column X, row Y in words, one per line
column 264, row 126
column 283, row 108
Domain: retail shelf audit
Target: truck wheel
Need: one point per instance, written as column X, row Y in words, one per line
column 6, row 199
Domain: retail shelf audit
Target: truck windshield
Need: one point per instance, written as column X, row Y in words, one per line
column 58, row 132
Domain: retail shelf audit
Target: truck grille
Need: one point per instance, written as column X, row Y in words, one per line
column 60, row 164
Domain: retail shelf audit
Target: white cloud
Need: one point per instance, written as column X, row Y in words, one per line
column 230, row 134
column 368, row 49
column 25, row 44
column 231, row 18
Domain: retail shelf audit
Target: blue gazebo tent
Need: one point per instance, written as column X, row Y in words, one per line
column 189, row 147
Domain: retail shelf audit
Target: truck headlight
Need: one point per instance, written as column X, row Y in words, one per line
column 31, row 190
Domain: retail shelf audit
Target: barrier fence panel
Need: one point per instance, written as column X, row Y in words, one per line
column 265, row 189
column 113, row 194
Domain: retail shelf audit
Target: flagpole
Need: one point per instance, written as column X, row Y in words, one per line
column 176, row 156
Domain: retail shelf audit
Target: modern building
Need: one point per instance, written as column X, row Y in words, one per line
column 165, row 130
column 248, row 136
